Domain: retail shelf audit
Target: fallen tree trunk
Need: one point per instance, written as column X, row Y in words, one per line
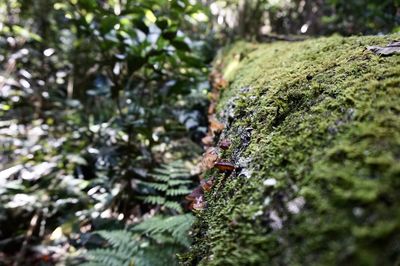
column 315, row 133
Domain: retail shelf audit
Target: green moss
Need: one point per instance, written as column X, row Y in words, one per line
column 324, row 118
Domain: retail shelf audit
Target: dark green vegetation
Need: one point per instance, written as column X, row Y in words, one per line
column 315, row 127
column 127, row 247
column 245, row 18
column 101, row 105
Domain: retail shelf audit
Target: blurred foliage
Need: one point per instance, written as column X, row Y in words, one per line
column 367, row 17
column 254, row 19
column 152, row 242
column 94, row 96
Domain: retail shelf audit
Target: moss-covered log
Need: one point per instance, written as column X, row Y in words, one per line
column 315, row 131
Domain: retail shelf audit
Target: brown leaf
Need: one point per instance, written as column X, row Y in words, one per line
column 217, row 80
column 225, row 144
column 215, row 125
column 214, row 74
column 212, row 108
column 198, row 204
column 224, row 166
column 213, row 96
column 220, row 83
column 207, row 184
column 208, row 140
column 209, row 158
column 197, row 192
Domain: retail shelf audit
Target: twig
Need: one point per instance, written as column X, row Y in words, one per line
column 32, row 226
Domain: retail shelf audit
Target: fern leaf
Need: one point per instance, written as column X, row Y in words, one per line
column 178, row 175
column 174, row 206
column 158, row 256
column 178, row 191
column 109, row 257
column 178, row 226
column 156, row 200
column 160, row 177
column 173, row 182
column 119, row 239
column 157, row 186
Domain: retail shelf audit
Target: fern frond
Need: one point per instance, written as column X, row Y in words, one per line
column 122, row 248
column 119, row 239
column 156, row 200
column 167, row 182
column 109, row 257
column 156, row 186
column 91, row 263
column 166, row 237
column 178, row 191
column 156, row 255
column 177, row 226
column 173, row 205
column 160, row 177
column 173, row 182
column 182, row 173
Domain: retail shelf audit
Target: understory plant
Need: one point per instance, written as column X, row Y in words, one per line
column 98, row 100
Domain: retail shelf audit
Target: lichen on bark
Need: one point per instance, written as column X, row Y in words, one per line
column 315, row 131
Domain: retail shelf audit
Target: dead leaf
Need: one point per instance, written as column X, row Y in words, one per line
column 213, row 96
column 207, row 184
column 212, row 107
column 224, row 166
column 217, row 80
column 220, row 83
column 215, row 125
column 390, row 49
column 209, row 158
column 208, row 140
column 198, row 204
column 197, row 192
column 214, row 74
column 225, row 144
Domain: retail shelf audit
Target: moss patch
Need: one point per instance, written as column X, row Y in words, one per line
column 315, row 128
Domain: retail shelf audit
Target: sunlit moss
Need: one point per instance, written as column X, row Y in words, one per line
column 324, row 117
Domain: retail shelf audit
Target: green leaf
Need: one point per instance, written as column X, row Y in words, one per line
column 135, row 62
column 26, row 33
column 162, row 23
column 190, row 60
column 169, row 34
column 180, row 45
column 89, row 5
column 141, row 26
column 108, row 23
